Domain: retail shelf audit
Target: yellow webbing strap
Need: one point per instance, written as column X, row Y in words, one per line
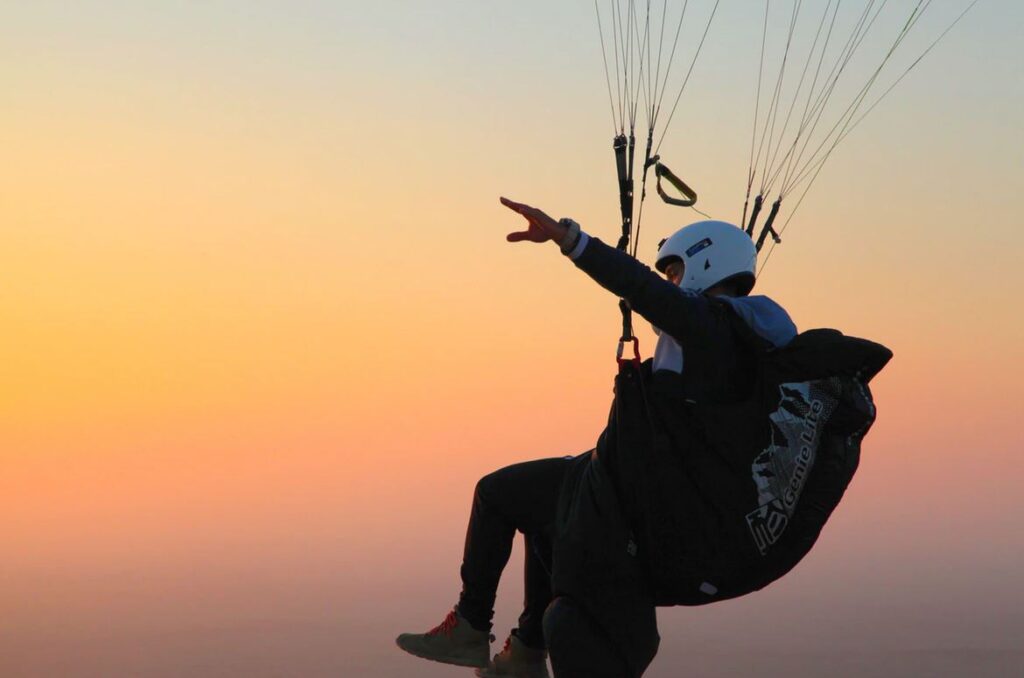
column 690, row 198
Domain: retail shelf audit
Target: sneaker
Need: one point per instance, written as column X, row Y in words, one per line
column 516, row 660
column 453, row 641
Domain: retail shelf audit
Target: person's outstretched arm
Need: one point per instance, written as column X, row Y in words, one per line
column 686, row 318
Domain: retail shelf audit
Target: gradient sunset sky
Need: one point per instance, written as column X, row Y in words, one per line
column 262, row 331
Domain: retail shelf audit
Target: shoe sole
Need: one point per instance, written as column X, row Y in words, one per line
column 454, row 661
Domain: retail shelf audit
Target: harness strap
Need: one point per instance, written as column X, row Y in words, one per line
column 623, row 164
column 768, row 226
column 758, row 202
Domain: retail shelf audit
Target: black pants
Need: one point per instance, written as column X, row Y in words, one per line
column 524, row 498
column 618, row 643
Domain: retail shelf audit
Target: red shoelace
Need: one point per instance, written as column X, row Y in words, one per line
column 445, row 627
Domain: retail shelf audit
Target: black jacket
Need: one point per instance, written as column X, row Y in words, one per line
column 710, row 484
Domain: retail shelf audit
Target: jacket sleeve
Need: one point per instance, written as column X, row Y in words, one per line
column 687, row 318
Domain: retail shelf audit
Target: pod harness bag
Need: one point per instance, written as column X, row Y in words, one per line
column 705, row 501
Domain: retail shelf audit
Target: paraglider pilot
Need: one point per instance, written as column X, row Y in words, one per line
column 614, row 632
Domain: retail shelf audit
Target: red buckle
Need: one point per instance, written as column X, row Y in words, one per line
column 636, row 351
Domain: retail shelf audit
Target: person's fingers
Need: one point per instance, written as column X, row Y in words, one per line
column 514, row 206
column 517, row 236
column 536, row 217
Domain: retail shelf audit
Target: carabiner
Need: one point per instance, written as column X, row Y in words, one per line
column 636, row 352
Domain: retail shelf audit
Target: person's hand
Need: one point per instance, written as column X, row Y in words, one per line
column 541, row 227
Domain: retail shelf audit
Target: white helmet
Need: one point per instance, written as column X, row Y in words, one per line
column 713, row 252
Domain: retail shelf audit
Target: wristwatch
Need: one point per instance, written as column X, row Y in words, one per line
column 572, row 237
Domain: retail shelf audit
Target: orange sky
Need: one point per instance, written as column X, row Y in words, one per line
column 262, row 331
